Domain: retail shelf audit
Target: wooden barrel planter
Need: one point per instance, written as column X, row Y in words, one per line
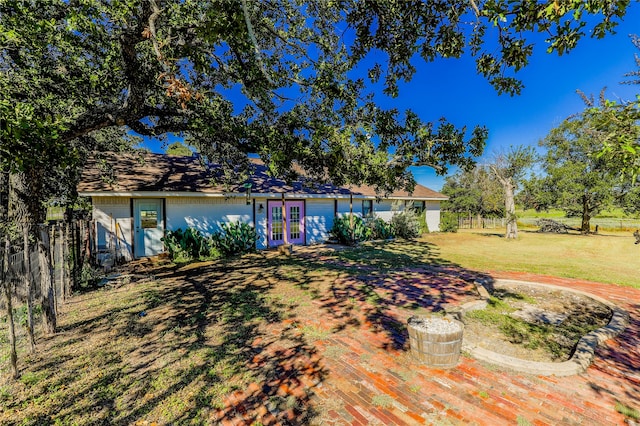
column 435, row 340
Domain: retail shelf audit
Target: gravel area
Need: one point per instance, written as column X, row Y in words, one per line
column 435, row 325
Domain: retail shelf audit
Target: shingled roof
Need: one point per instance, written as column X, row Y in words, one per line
column 148, row 172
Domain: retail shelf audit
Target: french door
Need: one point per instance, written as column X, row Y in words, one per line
column 285, row 225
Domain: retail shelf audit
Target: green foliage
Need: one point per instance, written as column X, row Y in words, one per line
column 405, row 224
column 380, row 230
column 476, row 192
column 20, row 315
column 74, row 70
column 382, row 400
column 90, row 275
column 30, row 379
column 577, row 180
column 185, row 245
column 178, row 148
column 363, row 229
column 618, row 127
column 232, row 239
column 422, row 222
column 235, row 238
column 448, row 222
column 343, row 231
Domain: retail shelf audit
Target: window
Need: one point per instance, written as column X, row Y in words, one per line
column 294, row 222
column 276, row 224
column 418, row 206
column 367, row 208
column 149, row 218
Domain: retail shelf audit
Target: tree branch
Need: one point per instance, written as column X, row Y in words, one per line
column 256, row 49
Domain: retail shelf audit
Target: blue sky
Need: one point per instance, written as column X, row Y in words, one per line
column 451, row 88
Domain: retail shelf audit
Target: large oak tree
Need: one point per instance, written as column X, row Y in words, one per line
column 279, row 78
column 579, row 180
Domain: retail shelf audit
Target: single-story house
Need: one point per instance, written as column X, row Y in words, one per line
column 147, row 194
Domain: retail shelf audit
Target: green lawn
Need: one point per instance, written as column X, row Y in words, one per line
column 172, row 344
column 609, row 220
column 608, row 258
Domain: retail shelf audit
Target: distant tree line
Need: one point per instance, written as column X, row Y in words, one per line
column 589, row 163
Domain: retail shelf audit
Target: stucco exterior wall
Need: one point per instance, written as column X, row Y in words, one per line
column 206, row 214
column 261, row 223
column 432, row 212
column 319, row 219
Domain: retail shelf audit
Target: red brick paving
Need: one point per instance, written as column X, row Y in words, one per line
column 369, row 377
column 474, row 393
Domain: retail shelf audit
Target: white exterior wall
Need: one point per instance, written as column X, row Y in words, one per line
column 261, row 223
column 432, row 212
column 385, row 209
column 343, row 207
column 319, row 215
column 206, row 214
column 107, row 212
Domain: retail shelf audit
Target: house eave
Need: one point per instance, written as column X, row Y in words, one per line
column 289, row 195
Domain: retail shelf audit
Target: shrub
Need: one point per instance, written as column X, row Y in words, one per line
column 342, row 231
column 405, row 224
column 363, row 230
column 186, row 245
column 380, row 230
column 422, row 222
column 448, row 222
column 234, row 238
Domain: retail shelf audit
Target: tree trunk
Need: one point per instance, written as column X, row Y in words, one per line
column 6, row 287
column 46, row 281
column 585, row 227
column 510, row 209
column 66, row 260
column 19, row 196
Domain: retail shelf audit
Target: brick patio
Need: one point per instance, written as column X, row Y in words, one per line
column 362, row 374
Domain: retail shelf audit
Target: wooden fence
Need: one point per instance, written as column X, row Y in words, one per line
column 68, row 248
column 481, row 223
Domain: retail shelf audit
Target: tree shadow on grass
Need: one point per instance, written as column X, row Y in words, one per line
column 213, row 342
column 203, row 345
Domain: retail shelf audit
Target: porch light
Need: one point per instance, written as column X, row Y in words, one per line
column 260, row 208
column 247, row 187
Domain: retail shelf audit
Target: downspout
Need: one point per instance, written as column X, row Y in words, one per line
column 284, row 222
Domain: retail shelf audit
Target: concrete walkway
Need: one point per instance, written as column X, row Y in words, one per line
column 369, row 377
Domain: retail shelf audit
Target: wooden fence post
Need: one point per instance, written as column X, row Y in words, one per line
column 46, row 282
column 29, row 282
column 66, row 260
column 6, row 286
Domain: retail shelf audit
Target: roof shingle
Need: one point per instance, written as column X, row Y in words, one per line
column 148, row 172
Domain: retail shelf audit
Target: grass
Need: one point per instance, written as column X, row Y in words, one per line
column 557, row 340
column 522, row 421
column 608, row 258
column 627, row 411
column 609, row 220
column 382, row 400
column 215, row 329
